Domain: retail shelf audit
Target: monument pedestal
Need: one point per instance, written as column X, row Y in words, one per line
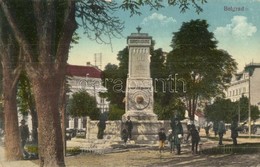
column 145, row 126
column 140, row 116
column 146, row 131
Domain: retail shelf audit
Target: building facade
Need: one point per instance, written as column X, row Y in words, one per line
column 87, row 78
column 245, row 83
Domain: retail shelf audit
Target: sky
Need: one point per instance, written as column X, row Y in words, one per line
column 235, row 24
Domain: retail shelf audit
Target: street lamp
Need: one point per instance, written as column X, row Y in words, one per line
column 239, row 111
column 249, row 108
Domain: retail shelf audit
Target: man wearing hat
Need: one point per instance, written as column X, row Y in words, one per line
column 24, row 131
column 177, row 131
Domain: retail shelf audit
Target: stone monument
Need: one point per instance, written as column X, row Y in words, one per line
column 139, row 90
column 139, row 86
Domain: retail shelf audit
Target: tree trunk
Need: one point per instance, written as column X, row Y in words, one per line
column 13, row 150
column 62, row 108
column 47, row 94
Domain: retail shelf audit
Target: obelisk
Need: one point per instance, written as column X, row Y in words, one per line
column 139, row 87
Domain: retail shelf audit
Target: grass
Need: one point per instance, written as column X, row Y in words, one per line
column 33, row 149
column 73, row 151
column 217, row 138
column 245, row 148
column 247, row 137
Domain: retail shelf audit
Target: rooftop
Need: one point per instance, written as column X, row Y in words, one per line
column 83, row 71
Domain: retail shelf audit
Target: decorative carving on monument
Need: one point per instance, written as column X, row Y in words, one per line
column 139, row 100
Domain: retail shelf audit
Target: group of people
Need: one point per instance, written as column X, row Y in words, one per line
column 219, row 129
column 175, row 136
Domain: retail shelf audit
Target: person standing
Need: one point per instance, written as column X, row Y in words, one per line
column 101, row 128
column 207, row 127
column 171, row 141
column 234, row 131
column 215, row 128
column 177, row 133
column 221, row 131
column 195, row 138
column 129, row 126
column 124, row 135
column 24, row 132
column 162, row 138
column 190, row 125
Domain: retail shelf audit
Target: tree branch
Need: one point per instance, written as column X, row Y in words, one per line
column 68, row 29
column 17, row 33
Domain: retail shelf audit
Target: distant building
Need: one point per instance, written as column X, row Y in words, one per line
column 199, row 118
column 86, row 78
column 245, row 83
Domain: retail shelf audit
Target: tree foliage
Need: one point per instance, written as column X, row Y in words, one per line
column 115, row 113
column 221, row 109
column 196, row 59
column 26, row 103
column 98, row 21
column 24, row 95
column 224, row 109
column 82, row 104
column 134, row 6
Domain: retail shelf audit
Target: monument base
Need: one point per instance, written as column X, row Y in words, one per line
column 140, row 116
column 148, row 130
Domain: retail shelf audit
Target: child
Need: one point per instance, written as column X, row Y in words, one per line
column 195, row 138
column 162, row 138
column 171, row 141
column 124, row 135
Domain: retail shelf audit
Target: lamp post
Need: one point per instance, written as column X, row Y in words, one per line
column 249, row 109
column 239, row 111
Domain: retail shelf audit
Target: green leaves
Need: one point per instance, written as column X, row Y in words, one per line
column 134, row 5
column 196, row 59
column 82, row 104
column 224, row 109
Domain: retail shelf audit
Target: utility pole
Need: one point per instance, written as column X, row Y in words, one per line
column 239, row 111
column 249, row 109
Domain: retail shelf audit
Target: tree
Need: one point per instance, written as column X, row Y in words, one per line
column 10, row 52
column 115, row 85
column 82, row 104
column 43, row 30
column 243, row 108
column 221, row 109
column 224, row 109
column 134, row 6
column 175, row 106
column 114, row 79
column 196, row 59
column 115, row 113
column 158, row 71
